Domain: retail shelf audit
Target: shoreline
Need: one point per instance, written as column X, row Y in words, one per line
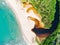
column 16, row 7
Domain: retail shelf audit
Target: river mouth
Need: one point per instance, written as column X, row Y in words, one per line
column 21, row 20
column 26, row 27
column 25, row 24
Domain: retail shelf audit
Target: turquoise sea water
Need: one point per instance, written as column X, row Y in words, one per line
column 9, row 29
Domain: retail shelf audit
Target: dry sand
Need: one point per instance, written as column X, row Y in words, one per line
column 25, row 24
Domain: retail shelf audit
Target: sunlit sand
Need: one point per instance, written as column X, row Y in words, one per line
column 22, row 18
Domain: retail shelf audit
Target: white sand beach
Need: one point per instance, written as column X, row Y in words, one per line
column 25, row 24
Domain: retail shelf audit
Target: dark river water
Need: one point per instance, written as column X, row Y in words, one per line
column 10, row 31
column 54, row 24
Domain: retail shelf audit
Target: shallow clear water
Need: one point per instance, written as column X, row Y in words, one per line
column 9, row 29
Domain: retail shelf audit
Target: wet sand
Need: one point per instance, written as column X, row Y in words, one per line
column 25, row 24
